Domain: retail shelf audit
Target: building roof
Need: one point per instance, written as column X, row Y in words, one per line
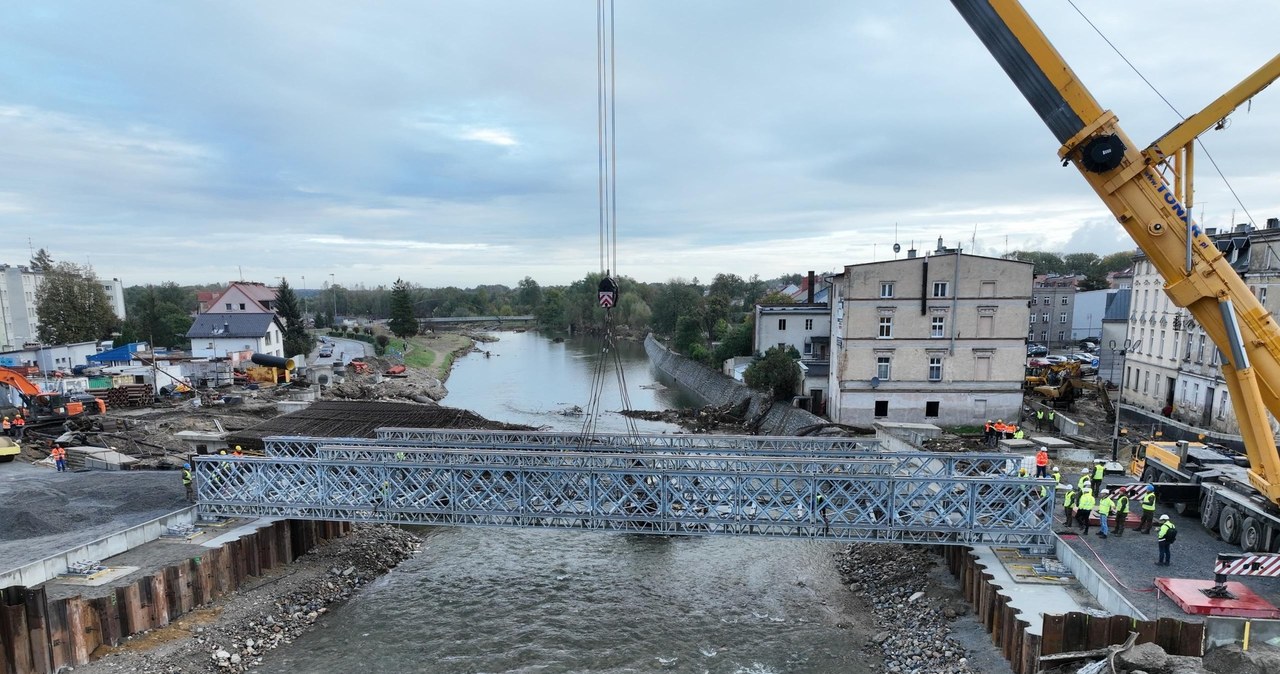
column 920, row 258
column 232, row 325
column 258, row 292
column 120, row 354
column 797, row 308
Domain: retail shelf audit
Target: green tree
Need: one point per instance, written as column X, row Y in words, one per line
column 296, row 338
column 403, row 324
column 737, row 342
column 528, row 294
column 1043, row 261
column 41, row 261
column 159, row 315
column 1080, row 263
column 73, row 307
column 689, row 334
column 777, row 373
column 551, row 313
column 776, row 297
column 676, row 299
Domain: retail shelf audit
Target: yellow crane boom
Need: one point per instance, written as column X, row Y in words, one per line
column 1136, row 185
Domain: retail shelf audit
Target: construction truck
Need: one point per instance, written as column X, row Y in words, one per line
column 42, row 407
column 1150, row 192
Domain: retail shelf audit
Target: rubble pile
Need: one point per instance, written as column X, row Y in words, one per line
column 261, row 619
column 913, row 628
column 1152, row 659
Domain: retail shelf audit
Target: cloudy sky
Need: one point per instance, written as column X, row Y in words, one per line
column 454, row 143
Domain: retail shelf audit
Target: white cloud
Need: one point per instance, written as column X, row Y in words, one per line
column 490, row 136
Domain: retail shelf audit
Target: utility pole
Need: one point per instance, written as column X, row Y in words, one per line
column 334, row 288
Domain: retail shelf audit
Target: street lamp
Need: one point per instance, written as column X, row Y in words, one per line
column 1118, row 349
column 304, row 296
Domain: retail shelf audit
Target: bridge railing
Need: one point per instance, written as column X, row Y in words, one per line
column 836, row 499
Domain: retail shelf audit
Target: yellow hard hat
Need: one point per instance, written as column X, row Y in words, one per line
column 237, row 448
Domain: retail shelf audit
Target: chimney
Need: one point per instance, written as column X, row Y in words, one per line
column 911, row 253
column 810, row 286
column 1242, row 227
column 941, row 248
column 1210, row 231
column 1273, row 223
column 226, row 327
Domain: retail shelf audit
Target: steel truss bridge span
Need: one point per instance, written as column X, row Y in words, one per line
column 846, row 496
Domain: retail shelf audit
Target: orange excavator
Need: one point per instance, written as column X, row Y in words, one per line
column 48, row 406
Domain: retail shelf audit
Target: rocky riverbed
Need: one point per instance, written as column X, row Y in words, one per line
column 914, row 615
column 239, row 631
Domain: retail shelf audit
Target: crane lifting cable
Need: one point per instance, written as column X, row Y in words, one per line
column 607, row 290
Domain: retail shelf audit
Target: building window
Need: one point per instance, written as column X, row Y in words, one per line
column 1065, row 300
column 1187, row 357
column 1146, row 381
column 1128, row 378
column 1033, row 319
column 782, row 324
column 1044, row 335
column 1062, row 317
column 1200, row 349
column 931, row 408
column 886, row 290
column 938, row 326
column 808, row 348
column 940, row 288
column 1222, row 407
column 1062, row 335
column 1184, row 392
column 1195, row 396
column 1161, row 354
column 808, row 324
column 1035, row 301
column 268, row 340
column 1262, row 294
column 886, row 327
column 228, row 306
column 935, row 368
column 1044, row 317
column 882, row 408
column 882, row 367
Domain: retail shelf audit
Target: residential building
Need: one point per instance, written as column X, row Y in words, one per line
column 806, row 328
column 1115, row 329
column 19, row 318
column 936, row 338
column 244, row 296
column 1087, row 313
column 1177, row 368
column 236, row 336
column 1053, row 300
column 1120, row 280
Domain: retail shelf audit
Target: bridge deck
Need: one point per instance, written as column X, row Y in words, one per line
column 767, row 487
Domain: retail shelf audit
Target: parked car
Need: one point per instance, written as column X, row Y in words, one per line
column 1037, row 350
column 326, row 352
column 1056, row 359
column 1086, row 359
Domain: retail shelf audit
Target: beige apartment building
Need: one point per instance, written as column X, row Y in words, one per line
column 938, row 338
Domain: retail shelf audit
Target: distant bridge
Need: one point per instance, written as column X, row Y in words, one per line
column 437, row 320
column 817, row 488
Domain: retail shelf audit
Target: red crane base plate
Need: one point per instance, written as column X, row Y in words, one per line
column 1186, row 593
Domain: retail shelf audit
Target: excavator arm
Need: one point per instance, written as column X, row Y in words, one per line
column 1135, row 185
column 16, row 380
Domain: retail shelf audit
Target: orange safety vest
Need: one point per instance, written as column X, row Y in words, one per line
column 59, row 454
column 20, row 422
column 1042, row 458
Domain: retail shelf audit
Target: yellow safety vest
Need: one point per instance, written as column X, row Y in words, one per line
column 1099, row 471
column 1149, row 501
column 1104, row 508
column 1086, row 501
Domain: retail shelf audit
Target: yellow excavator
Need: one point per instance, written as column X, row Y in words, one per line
column 1150, row 192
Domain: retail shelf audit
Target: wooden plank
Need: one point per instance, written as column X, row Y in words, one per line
column 145, row 610
column 1030, row 660
column 172, row 600
column 1010, row 636
column 182, row 587
column 38, row 629
column 159, row 600
column 1051, row 634
column 1076, row 633
column 108, row 613
column 92, row 628
column 79, row 648
column 13, row 620
column 1191, row 639
column 56, row 613
column 1098, row 633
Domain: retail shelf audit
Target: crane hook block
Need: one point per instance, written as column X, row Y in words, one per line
column 1102, row 153
column 608, row 292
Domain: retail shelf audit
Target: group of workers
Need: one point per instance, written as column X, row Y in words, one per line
column 1088, row 495
column 14, row 428
column 995, row 431
column 188, row 478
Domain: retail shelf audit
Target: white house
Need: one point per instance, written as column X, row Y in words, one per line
column 236, row 335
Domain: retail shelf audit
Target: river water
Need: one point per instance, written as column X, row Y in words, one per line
column 510, row 600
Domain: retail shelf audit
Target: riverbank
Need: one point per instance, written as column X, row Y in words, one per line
column 915, row 605
column 236, row 633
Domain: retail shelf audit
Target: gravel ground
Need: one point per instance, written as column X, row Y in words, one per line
column 46, row 512
column 918, row 612
column 1132, row 559
column 239, row 631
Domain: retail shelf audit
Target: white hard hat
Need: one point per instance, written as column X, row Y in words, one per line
column 1043, row 448
column 1054, row 469
column 1084, row 471
column 1106, row 491
column 1164, row 518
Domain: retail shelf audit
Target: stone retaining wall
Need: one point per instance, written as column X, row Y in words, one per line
column 713, row 388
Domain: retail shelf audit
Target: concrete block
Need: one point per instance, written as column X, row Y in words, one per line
column 1018, row 445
